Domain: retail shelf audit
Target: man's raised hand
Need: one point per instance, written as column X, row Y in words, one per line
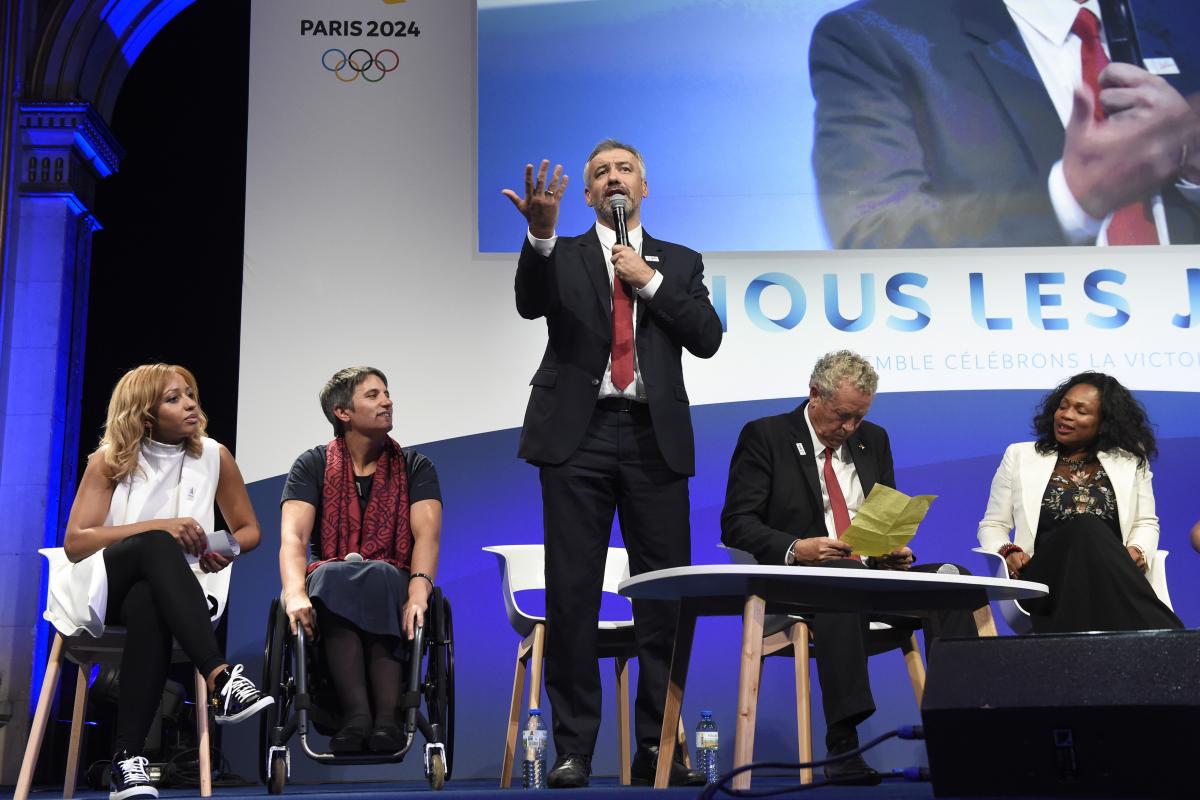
column 542, row 198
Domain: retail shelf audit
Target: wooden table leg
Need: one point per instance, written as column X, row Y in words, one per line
column 685, row 632
column 752, row 635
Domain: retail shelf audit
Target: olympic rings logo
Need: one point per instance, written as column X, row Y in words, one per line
column 360, row 62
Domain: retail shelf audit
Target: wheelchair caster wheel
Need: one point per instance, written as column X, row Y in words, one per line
column 435, row 765
column 278, row 769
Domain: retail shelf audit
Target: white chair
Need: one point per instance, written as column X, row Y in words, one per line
column 1018, row 618
column 523, row 568
column 86, row 650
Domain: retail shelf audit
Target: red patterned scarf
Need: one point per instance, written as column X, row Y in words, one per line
column 382, row 532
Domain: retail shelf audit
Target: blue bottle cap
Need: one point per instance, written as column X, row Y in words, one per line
column 705, row 713
column 535, row 712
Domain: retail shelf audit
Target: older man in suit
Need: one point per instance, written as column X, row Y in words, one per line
column 609, row 427
column 969, row 123
column 795, row 482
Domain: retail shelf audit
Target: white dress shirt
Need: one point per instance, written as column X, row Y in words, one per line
column 1045, row 25
column 608, row 237
column 847, row 478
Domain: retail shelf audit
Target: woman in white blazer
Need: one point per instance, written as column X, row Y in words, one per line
column 1081, row 503
column 145, row 503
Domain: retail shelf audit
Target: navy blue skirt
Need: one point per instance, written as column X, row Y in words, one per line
column 370, row 595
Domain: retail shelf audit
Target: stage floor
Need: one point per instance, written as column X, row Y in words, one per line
column 601, row 789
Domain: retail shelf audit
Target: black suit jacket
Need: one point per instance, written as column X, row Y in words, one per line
column 774, row 494
column 934, row 129
column 570, row 289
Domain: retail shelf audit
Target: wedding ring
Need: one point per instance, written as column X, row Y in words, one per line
column 549, row 193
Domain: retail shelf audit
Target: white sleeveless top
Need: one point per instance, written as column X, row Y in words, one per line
column 167, row 483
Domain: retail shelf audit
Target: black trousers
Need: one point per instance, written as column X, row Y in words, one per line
column 617, row 467
column 1094, row 584
column 153, row 593
column 840, row 639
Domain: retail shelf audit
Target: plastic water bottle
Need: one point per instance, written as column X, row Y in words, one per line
column 708, row 744
column 534, row 742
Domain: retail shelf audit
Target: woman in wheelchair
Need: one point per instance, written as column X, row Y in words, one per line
column 371, row 513
column 144, row 504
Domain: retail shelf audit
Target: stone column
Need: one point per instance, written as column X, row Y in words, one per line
column 63, row 150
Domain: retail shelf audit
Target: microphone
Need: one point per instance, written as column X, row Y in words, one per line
column 618, row 203
column 1120, row 29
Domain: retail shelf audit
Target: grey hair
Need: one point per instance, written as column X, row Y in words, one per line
column 338, row 392
column 604, row 147
column 843, row 366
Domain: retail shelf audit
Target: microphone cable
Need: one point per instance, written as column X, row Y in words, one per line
column 907, row 732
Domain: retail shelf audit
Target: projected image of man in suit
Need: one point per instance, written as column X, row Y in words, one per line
column 956, row 123
column 796, row 480
column 609, row 427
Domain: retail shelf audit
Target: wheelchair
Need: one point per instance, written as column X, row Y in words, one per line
column 294, row 674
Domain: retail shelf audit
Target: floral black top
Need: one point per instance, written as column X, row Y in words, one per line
column 1079, row 486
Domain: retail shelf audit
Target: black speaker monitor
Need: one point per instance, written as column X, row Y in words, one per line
column 1101, row 714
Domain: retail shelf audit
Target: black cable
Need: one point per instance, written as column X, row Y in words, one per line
column 904, row 732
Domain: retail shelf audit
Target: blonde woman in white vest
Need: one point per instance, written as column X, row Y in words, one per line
column 144, row 504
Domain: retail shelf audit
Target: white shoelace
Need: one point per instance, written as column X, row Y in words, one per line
column 241, row 688
column 133, row 770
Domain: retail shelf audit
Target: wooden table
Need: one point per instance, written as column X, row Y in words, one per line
column 752, row 591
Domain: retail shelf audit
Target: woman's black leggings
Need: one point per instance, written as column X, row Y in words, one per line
column 153, row 593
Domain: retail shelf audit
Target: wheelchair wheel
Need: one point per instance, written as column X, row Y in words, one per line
column 437, row 771
column 278, row 773
column 439, row 683
column 276, row 652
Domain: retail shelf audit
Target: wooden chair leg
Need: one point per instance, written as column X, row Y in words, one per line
column 514, row 714
column 623, row 739
column 202, row 742
column 799, row 636
column 751, row 671
column 985, row 623
column 537, row 661
column 81, row 693
column 681, row 744
column 41, row 716
column 916, row 667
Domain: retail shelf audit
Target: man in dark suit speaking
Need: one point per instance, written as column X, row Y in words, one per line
column 609, row 426
column 796, row 481
column 971, row 123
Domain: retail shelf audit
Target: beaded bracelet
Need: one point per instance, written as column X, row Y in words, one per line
column 1005, row 549
column 422, row 575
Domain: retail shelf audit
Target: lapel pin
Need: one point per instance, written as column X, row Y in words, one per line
column 652, row 259
column 800, row 449
column 862, row 446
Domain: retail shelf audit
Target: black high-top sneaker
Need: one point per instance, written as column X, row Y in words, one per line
column 129, row 779
column 237, row 696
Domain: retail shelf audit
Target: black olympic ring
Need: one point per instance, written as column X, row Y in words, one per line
column 359, row 62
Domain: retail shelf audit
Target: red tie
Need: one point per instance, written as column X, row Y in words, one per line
column 622, row 334
column 837, row 503
column 1133, row 223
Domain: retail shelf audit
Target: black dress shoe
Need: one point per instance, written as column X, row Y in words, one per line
column 853, row 771
column 571, row 771
column 350, row 739
column 385, row 739
column 645, row 764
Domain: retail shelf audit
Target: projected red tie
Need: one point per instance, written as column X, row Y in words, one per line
column 1133, row 223
column 837, row 501
column 622, row 334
